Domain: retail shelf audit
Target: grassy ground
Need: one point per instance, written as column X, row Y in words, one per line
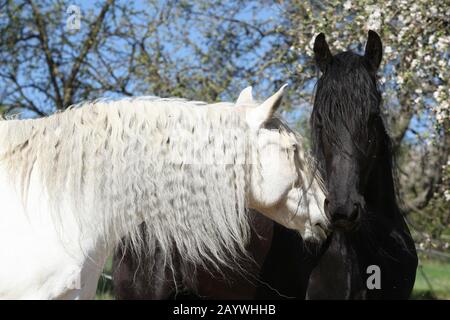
column 432, row 281
column 104, row 287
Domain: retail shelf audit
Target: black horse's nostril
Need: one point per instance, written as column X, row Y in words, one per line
column 345, row 216
column 355, row 213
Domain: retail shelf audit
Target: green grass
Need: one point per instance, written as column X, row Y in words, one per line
column 105, row 286
column 437, row 273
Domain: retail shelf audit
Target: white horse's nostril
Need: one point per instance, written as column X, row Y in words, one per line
column 322, row 227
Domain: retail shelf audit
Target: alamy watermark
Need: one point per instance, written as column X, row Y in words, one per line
column 73, row 21
column 373, row 281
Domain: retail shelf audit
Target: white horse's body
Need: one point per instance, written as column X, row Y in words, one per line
column 35, row 262
column 72, row 185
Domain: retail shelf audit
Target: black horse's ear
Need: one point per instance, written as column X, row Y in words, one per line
column 322, row 53
column 374, row 50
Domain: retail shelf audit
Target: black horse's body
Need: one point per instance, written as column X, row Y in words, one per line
column 342, row 270
column 354, row 155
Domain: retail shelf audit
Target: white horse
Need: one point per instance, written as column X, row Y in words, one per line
column 73, row 184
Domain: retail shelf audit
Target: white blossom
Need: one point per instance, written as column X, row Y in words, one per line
column 374, row 21
column 347, row 5
column 447, row 195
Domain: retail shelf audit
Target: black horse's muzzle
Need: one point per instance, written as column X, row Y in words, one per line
column 344, row 217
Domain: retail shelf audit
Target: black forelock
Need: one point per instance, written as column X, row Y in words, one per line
column 346, row 95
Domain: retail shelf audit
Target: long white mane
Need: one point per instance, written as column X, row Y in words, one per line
column 117, row 159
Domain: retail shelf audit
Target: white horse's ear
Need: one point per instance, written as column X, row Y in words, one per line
column 245, row 97
column 256, row 117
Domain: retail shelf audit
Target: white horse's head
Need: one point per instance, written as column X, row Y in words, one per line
column 279, row 183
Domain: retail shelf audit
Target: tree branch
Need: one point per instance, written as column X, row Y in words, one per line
column 89, row 42
column 44, row 42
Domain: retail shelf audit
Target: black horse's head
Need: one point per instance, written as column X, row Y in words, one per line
column 348, row 132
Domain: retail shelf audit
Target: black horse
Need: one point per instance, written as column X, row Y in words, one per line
column 354, row 152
